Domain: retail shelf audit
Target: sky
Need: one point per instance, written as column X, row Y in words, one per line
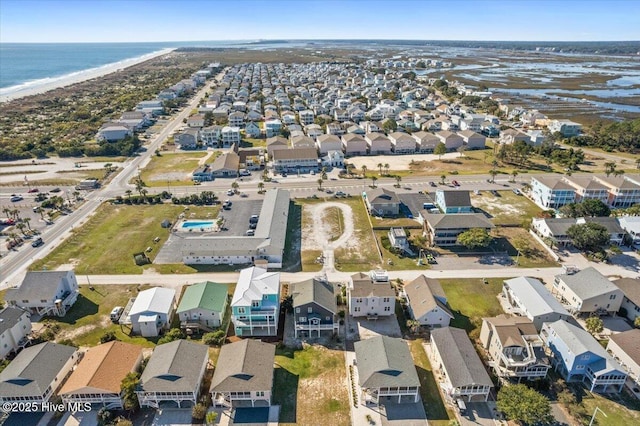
column 199, row 20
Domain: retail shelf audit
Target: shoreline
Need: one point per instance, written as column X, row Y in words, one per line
column 30, row 88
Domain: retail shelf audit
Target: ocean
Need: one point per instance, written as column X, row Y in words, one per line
column 27, row 65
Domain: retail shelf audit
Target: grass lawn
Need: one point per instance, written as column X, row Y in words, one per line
column 402, row 222
column 507, row 209
column 253, row 143
column 437, row 413
column 88, row 319
column 617, row 412
column 172, row 168
column 364, row 255
column 311, row 386
column 398, row 263
column 106, row 243
column 471, row 300
column 536, row 257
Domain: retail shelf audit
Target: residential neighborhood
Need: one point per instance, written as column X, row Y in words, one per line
column 328, row 242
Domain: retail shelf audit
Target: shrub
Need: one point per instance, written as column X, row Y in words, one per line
column 198, row 411
column 108, row 337
column 215, row 338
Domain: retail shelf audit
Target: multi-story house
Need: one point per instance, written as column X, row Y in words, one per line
column 36, row 373
column 45, row 292
column 211, row 136
column 472, row 140
column 371, row 295
column 302, row 160
column 631, row 300
column 382, row 202
column 566, row 128
column 588, row 188
column 451, row 141
column 230, row 136
column 152, row 311
column 557, row 229
column 272, row 128
column 427, row 302
column 453, row 201
column 443, row 229
column 514, row 347
column 530, row 298
column 203, row 305
column 114, row 131
column 455, row 358
column 306, row 117
column 402, row 143
column 625, row 349
column 15, row 326
column 354, row 144
column 623, row 191
column 378, row 143
column 578, row 357
column 236, row 119
column 314, row 307
column 551, row 192
column 426, row 142
column 328, row 143
column 255, row 306
column 588, row 292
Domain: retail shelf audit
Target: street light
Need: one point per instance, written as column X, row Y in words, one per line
column 594, row 415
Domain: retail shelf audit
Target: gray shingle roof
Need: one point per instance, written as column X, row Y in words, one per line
column 37, row 285
column 363, row 286
column 423, row 293
column 34, row 369
column 244, row 366
column 314, row 291
column 9, row 317
column 630, row 287
column 459, row 357
column 174, row 367
column 382, row 196
column 457, row 221
column 457, row 198
column 385, row 362
column 587, row 283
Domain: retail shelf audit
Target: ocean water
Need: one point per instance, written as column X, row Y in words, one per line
column 24, row 65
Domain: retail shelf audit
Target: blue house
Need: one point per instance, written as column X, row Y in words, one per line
column 453, row 201
column 578, row 357
column 255, row 306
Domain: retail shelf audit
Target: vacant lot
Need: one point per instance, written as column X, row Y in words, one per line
column 507, row 209
column 532, row 254
column 618, row 411
column 471, row 300
column 394, row 262
column 310, row 386
column 107, row 242
column 88, row 319
column 174, row 169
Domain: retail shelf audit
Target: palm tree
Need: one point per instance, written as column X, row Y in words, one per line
column 76, row 194
column 235, row 186
column 380, row 168
column 373, row 181
column 617, row 173
column 139, row 184
column 493, row 173
column 364, row 171
column 260, row 187
column 323, row 173
column 21, row 227
column 386, row 168
column 128, row 192
column 320, row 181
column 398, row 180
column 26, row 221
column 13, row 236
column 514, row 174
column 41, row 211
column 6, row 211
column 144, row 193
column 442, row 179
column 609, row 168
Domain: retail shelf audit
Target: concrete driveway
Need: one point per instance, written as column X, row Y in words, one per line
column 362, row 328
column 478, row 413
column 172, row 416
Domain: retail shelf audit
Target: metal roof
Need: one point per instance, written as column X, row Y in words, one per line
column 206, row 295
column 535, row 297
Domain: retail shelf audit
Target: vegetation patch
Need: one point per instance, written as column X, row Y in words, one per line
column 171, row 169
column 106, row 243
column 334, row 222
column 310, row 384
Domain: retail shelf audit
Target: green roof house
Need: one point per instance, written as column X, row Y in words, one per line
column 203, row 305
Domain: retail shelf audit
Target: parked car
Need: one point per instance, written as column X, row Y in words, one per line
column 455, row 183
column 250, row 233
column 230, row 192
column 253, row 225
column 16, row 198
column 55, row 190
column 433, row 184
column 37, row 242
column 254, row 218
column 495, row 193
column 116, row 313
column 340, row 194
column 328, row 191
column 517, row 191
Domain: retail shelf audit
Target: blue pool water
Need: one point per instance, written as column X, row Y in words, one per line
column 197, row 224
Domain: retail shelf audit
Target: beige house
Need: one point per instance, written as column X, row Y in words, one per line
column 378, row 143
column 625, row 348
column 369, row 297
column 587, row 292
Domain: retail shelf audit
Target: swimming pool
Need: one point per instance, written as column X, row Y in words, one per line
column 199, row 225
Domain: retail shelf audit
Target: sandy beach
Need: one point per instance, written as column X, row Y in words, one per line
column 29, row 89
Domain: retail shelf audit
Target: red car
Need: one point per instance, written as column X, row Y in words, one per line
column 455, row 183
column 32, row 190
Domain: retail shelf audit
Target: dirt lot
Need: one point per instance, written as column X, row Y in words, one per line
column 507, row 208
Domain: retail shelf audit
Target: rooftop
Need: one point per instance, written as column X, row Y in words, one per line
column 244, row 366
column 385, row 362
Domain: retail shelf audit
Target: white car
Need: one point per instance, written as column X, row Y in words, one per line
column 230, row 192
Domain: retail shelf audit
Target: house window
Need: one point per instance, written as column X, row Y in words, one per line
column 328, row 318
column 43, row 300
column 255, row 304
column 309, row 310
column 297, row 310
column 358, row 300
column 260, row 393
column 387, row 309
column 584, row 357
column 302, row 319
column 25, row 301
column 357, row 309
column 265, row 297
column 386, row 300
column 241, row 310
column 613, row 296
column 580, row 367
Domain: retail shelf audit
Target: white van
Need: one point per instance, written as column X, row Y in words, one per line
column 116, row 313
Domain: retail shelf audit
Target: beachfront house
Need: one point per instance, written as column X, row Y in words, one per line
column 314, row 307
column 427, row 302
column 587, row 292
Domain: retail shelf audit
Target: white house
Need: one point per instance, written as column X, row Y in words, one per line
column 328, row 143
column 427, row 302
column 370, row 296
column 36, row 373
column 173, row 375
column 567, row 128
column 230, row 136
column 252, row 130
column 45, row 292
column 203, row 305
column 531, row 299
column 15, row 326
column 625, row 348
column 631, row 224
column 588, row 292
column 398, row 239
column 152, row 310
column 453, row 355
column 112, row 132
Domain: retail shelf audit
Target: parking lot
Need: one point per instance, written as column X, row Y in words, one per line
column 236, row 223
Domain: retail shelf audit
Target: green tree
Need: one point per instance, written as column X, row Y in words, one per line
column 374, row 179
column 389, row 125
column 214, row 338
column 461, row 150
column 474, row 238
column 594, row 325
column 493, row 173
column 364, row 171
column 594, row 208
column 128, row 387
column 199, row 411
column 609, row 167
column 386, row 168
column 235, row 186
column 636, row 322
column 398, row 180
column 380, row 168
column 123, row 422
column 589, row 236
column 320, row 182
column 211, row 418
column 260, row 187
column 171, row 335
column 514, row 175
column 443, row 178
column 440, row 150
column 139, row 183
column 108, row 336
column 524, row 405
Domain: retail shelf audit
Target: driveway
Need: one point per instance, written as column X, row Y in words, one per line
column 362, row 328
column 172, row 416
column 478, row 413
